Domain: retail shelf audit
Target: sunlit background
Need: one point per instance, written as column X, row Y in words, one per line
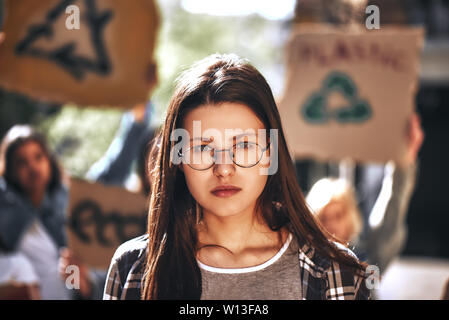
column 190, row 30
column 258, row 30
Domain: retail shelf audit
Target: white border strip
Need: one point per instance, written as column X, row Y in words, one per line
column 249, row 269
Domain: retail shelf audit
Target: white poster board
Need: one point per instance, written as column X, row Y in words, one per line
column 100, row 218
column 350, row 93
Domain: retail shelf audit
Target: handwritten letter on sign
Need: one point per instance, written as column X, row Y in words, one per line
column 88, row 52
column 101, row 218
column 350, row 94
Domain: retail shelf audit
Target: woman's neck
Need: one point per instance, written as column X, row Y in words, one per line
column 238, row 232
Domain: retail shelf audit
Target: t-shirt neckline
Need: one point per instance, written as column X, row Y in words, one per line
column 249, row 269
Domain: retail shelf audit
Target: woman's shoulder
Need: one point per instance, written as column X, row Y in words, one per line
column 320, row 261
column 128, row 254
column 5, row 188
column 126, row 270
column 329, row 279
column 345, row 282
column 131, row 250
column 10, row 198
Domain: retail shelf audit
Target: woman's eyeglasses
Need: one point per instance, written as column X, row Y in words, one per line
column 244, row 154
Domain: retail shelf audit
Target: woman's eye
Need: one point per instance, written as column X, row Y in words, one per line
column 202, row 148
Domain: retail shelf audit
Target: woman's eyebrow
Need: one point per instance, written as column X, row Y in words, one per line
column 202, row 139
column 230, row 138
column 243, row 135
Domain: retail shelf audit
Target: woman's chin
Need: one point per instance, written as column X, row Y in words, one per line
column 35, row 187
column 224, row 211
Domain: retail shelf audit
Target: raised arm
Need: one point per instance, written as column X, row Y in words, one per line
column 387, row 230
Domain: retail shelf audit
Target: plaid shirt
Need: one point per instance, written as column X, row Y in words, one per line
column 321, row 278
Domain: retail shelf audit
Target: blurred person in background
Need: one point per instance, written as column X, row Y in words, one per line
column 382, row 192
column 33, row 200
column 333, row 201
column 381, row 238
column 33, row 203
column 127, row 153
column 124, row 165
column 114, row 169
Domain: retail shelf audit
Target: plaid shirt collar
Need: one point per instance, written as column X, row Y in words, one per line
column 321, row 278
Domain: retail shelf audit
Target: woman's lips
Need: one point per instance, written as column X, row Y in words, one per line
column 225, row 191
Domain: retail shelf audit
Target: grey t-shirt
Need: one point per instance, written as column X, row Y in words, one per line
column 275, row 279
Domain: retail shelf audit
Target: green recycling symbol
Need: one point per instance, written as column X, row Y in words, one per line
column 316, row 111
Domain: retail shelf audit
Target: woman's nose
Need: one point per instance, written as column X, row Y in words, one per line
column 224, row 170
column 224, row 166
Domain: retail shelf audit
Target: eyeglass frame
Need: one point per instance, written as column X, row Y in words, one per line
column 230, row 154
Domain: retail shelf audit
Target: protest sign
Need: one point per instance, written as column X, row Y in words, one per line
column 350, row 93
column 100, row 218
column 86, row 52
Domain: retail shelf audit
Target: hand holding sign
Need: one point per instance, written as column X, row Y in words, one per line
column 415, row 138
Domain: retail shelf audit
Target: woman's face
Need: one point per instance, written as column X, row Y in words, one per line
column 225, row 189
column 32, row 168
column 336, row 220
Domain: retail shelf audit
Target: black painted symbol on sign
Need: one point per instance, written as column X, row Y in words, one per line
column 64, row 56
column 88, row 213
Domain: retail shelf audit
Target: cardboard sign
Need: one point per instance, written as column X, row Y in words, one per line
column 350, row 93
column 87, row 52
column 100, row 218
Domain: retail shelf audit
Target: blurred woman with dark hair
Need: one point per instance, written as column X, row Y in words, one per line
column 33, row 203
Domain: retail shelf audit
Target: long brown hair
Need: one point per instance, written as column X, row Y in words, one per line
column 171, row 270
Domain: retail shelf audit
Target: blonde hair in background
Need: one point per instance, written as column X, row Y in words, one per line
column 328, row 190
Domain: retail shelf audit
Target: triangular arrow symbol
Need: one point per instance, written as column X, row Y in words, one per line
column 64, row 56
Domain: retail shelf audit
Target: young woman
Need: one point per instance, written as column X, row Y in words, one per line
column 219, row 227
column 33, row 202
